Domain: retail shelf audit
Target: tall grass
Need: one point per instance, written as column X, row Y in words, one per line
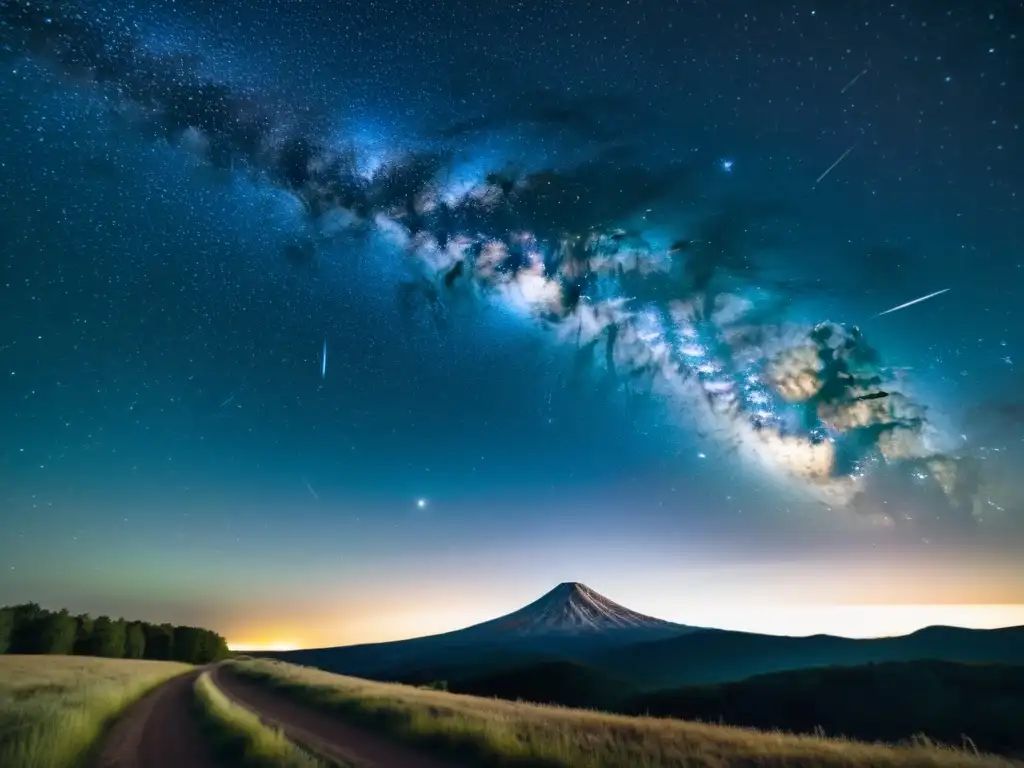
column 500, row 732
column 54, row 709
column 239, row 736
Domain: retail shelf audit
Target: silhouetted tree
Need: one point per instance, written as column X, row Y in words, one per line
column 159, row 641
column 27, row 628
column 83, row 635
column 53, row 633
column 6, row 628
column 215, row 647
column 23, row 629
column 108, row 637
column 187, row 644
column 198, row 646
column 135, row 641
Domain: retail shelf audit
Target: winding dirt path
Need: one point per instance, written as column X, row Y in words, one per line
column 160, row 731
column 324, row 733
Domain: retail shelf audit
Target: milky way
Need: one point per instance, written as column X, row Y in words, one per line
column 679, row 311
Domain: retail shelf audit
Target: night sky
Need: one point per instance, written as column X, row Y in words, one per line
column 329, row 323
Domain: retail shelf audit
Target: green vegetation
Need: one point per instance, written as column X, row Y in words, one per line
column 877, row 702
column 54, row 709
column 563, row 683
column 30, row 629
column 510, row 733
column 951, row 702
column 239, row 736
column 718, row 656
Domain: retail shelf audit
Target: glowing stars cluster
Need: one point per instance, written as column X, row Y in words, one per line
column 758, row 400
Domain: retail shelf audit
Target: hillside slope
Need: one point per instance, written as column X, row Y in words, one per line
column 715, row 656
column 873, row 702
column 571, row 621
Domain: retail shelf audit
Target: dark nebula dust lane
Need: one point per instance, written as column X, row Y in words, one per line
column 607, row 251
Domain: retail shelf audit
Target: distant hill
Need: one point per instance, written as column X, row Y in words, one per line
column 566, row 683
column 715, row 656
column 874, row 702
column 607, row 641
column 891, row 701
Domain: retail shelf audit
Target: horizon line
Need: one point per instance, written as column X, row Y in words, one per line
column 286, row 646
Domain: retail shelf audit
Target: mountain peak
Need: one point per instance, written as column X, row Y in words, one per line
column 572, row 608
column 571, row 587
column 579, row 593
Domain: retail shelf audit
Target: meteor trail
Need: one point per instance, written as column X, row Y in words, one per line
column 323, row 362
column 837, row 162
column 915, row 301
column 858, row 77
column 310, row 489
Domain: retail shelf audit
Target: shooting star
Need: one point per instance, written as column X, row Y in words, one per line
column 915, row 301
column 851, row 83
column 310, row 489
column 837, row 162
column 323, row 362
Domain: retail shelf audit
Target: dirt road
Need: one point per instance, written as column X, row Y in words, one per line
column 327, row 734
column 160, row 731
column 163, row 731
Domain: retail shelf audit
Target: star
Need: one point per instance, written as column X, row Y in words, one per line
column 421, row 503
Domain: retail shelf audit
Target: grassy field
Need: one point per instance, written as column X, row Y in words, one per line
column 871, row 702
column 240, row 738
column 509, row 733
column 54, row 708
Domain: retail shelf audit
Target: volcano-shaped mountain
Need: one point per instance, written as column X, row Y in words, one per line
column 572, row 609
column 574, row 639
column 571, row 621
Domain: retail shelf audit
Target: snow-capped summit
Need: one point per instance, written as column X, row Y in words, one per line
column 571, row 608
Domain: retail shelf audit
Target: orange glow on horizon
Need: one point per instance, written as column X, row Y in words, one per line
column 241, row 647
column 857, row 621
column 854, row 596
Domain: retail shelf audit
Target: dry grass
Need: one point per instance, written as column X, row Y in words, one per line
column 240, row 737
column 53, row 709
column 510, row 733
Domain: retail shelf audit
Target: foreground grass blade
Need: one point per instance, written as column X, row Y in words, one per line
column 241, row 738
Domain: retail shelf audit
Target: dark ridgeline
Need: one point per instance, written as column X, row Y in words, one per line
column 575, row 647
column 573, row 623
column 947, row 701
column 891, row 701
column 30, row 629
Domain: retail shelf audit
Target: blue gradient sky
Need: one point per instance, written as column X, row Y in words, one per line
column 171, row 452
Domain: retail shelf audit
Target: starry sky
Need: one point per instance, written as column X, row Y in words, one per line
column 334, row 323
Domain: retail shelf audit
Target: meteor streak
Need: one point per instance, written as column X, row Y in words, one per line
column 915, row 301
column 858, row 77
column 837, row 162
column 323, row 362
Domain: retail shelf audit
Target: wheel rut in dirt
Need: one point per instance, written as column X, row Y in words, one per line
column 323, row 732
column 162, row 730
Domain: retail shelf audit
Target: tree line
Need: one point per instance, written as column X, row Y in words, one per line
column 28, row 628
